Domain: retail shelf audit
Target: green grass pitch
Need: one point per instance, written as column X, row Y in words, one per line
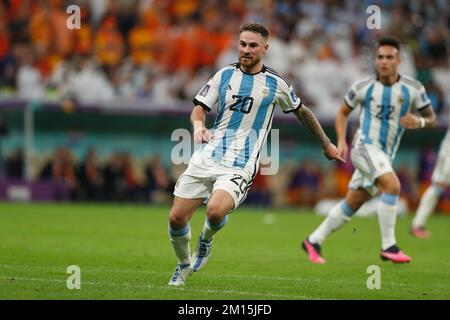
column 123, row 252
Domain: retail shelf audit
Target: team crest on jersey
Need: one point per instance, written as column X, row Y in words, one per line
column 351, row 95
column 293, row 96
column 401, row 100
column 266, row 91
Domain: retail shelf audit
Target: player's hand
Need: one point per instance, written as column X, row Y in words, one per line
column 410, row 121
column 202, row 135
column 331, row 152
column 342, row 149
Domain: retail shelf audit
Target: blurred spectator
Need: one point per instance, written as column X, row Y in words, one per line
column 120, row 181
column 90, row 179
column 84, row 82
column 30, row 84
column 142, row 44
column 408, row 187
column 342, row 175
column 157, row 178
column 305, row 188
column 133, row 186
column 109, row 45
column 4, row 38
column 114, row 185
column 82, row 38
column 3, row 133
column 259, row 194
column 427, row 162
column 14, row 165
column 61, row 170
column 444, row 202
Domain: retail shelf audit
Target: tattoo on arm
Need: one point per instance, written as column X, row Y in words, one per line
column 309, row 120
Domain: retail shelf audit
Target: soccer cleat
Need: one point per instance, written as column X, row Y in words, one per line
column 179, row 276
column 419, row 232
column 395, row 255
column 313, row 251
column 201, row 254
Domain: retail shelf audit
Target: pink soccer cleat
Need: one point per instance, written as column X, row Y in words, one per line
column 395, row 255
column 420, row 233
column 313, row 251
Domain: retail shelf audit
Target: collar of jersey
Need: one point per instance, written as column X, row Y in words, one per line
column 263, row 69
column 398, row 79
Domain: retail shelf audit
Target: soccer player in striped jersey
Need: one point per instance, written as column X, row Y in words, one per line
column 386, row 102
column 223, row 168
column 439, row 182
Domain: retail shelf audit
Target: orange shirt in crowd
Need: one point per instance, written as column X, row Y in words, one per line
column 183, row 8
column 65, row 173
column 41, row 30
column 62, row 39
column 142, row 42
column 109, row 44
column 185, row 49
column 4, row 41
column 82, row 39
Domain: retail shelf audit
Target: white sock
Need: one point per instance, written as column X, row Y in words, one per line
column 180, row 243
column 387, row 215
column 209, row 230
column 427, row 204
column 338, row 216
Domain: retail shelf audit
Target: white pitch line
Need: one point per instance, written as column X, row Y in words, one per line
column 129, row 271
column 151, row 286
column 225, row 276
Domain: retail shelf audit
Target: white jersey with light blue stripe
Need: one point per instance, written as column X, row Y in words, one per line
column 381, row 109
column 246, row 103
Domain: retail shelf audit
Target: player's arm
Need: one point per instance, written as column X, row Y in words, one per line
column 341, row 129
column 203, row 102
column 201, row 133
column 427, row 119
column 309, row 120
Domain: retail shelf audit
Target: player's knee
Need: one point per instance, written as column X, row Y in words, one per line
column 389, row 184
column 355, row 203
column 177, row 220
column 392, row 188
column 214, row 213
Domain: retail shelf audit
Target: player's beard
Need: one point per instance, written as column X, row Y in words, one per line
column 251, row 63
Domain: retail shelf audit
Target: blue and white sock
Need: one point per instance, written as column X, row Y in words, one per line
column 338, row 216
column 387, row 216
column 209, row 230
column 180, row 242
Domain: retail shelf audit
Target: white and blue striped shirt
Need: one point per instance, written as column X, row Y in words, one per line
column 382, row 107
column 246, row 103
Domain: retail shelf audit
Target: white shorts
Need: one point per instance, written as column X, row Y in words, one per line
column 370, row 163
column 200, row 180
column 441, row 172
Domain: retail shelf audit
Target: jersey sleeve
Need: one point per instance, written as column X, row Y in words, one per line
column 421, row 99
column 207, row 97
column 287, row 99
column 353, row 96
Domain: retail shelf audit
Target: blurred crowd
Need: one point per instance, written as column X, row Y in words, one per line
column 120, row 177
column 160, row 52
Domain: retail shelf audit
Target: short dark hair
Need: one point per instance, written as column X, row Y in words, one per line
column 255, row 27
column 388, row 41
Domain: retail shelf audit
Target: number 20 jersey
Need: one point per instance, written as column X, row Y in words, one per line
column 245, row 106
column 381, row 109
